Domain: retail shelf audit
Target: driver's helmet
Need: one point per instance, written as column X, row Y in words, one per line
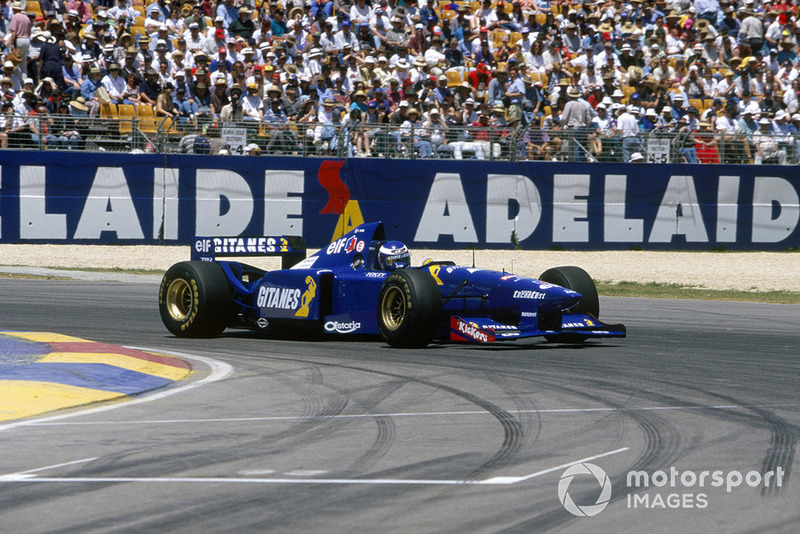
column 393, row 255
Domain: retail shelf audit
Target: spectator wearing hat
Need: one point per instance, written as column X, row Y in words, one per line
column 628, row 126
column 195, row 40
column 325, row 138
column 252, row 105
column 751, row 32
column 243, row 25
column 231, row 112
column 114, row 83
column 767, row 149
column 346, row 37
column 412, row 132
column 577, row 118
column 90, row 88
column 397, row 34
column 150, row 87
column 19, row 30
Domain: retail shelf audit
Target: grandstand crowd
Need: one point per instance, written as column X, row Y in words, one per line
column 602, row 74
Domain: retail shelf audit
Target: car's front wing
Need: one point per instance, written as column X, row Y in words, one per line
column 486, row 330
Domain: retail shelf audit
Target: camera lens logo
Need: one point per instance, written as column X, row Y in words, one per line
column 589, row 509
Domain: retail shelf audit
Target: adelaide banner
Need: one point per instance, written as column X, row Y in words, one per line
column 74, row 197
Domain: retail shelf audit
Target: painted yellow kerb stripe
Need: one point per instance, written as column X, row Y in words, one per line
column 23, row 398
column 118, row 360
column 46, row 337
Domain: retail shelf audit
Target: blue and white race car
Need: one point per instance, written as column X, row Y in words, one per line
column 363, row 284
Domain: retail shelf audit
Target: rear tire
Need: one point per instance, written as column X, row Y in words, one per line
column 195, row 299
column 576, row 279
column 409, row 308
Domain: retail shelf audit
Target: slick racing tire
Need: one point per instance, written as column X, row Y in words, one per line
column 576, row 279
column 409, row 308
column 195, row 299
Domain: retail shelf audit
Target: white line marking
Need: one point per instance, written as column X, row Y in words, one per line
column 494, row 481
column 46, row 422
column 514, row 480
column 218, row 371
column 56, row 466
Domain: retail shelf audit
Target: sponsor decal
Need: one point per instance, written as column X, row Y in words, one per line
column 243, row 245
column 306, row 263
column 529, row 314
column 470, row 331
column 347, row 245
column 342, row 328
column 283, row 298
column 262, row 322
column 495, row 326
column 572, row 325
column 434, row 270
column 528, row 294
column 376, row 274
column 308, row 296
column 360, row 246
column 546, row 286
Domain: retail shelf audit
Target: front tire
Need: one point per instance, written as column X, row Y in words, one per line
column 195, row 299
column 409, row 308
column 576, row 279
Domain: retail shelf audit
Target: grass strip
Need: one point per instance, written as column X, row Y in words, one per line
column 654, row 290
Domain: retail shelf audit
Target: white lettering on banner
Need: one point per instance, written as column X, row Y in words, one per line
column 616, row 228
column 247, row 245
column 679, row 213
column 1, row 197
column 283, row 202
column 165, row 203
column 446, row 212
column 776, row 209
column 109, row 208
column 727, row 209
column 571, row 208
column 212, row 186
column 501, row 189
column 34, row 221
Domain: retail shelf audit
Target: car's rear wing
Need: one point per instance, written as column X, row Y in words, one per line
column 292, row 249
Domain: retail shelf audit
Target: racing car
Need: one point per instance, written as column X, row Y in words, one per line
column 363, row 284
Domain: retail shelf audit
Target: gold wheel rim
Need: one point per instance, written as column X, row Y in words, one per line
column 180, row 299
column 393, row 308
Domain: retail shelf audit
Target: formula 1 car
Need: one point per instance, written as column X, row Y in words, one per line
column 345, row 289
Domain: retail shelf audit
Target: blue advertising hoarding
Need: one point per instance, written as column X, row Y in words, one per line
column 73, row 197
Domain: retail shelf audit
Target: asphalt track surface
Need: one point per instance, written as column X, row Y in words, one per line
column 350, row 435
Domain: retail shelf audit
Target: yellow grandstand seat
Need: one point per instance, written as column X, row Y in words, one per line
column 453, row 78
column 541, row 18
column 34, row 7
column 126, row 113
column 697, row 103
column 108, row 110
column 148, row 123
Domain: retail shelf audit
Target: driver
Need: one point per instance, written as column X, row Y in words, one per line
column 393, row 255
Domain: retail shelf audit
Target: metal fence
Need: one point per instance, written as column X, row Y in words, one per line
column 310, row 139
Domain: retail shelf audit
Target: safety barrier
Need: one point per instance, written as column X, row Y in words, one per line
column 169, row 198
